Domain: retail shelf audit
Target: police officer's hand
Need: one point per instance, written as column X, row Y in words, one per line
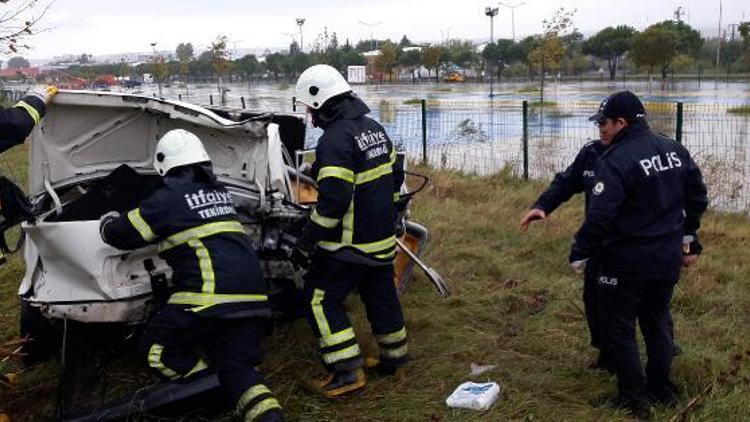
column 44, row 93
column 533, row 214
column 691, row 249
column 579, row 266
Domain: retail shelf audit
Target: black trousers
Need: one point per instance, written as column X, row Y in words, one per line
column 233, row 347
column 623, row 302
column 591, row 304
column 328, row 283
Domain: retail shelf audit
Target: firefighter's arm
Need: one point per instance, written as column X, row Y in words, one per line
column 335, row 177
column 398, row 173
column 17, row 122
column 134, row 229
column 608, row 195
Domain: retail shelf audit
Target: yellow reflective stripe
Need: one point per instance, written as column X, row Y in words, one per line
column 33, row 112
column 201, row 365
column 392, row 337
column 250, row 395
column 261, row 408
column 199, row 232
column 376, row 173
column 337, row 172
column 396, row 196
column 394, row 153
column 347, row 235
column 208, row 299
column 347, row 353
column 320, row 316
column 373, row 247
column 205, row 264
column 135, row 218
column 337, row 338
column 390, row 254
column 395, row 353
column 154, row 361
column 326, row 222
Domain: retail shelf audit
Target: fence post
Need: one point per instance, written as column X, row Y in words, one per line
column 424, row 131
column 678, row 130
column 294, row 104
column 525, row 140
column 210, row 99
column 179, row 97
column 243, row 101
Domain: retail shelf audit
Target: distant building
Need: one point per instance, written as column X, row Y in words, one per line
column 31, row 72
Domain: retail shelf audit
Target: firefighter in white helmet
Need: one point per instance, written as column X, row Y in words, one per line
column 219, row 296
column 351, row 232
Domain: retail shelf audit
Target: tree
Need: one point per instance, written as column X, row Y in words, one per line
column 687, row 40
column 411, row 60
column 461, row 53
column 17, row 62
column 160, row 70
column 185, row 54
column 405, row 42
column 744, row 29
column 247, row 66
column 276, row 63
column 348, row 56
column 219, row 55
column 387, row 59
column 611, row 43
column 19, row 21
column 431, row 58
column 655, row 46
column 550, row 49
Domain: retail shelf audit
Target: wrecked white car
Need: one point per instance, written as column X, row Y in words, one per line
column 92, row 154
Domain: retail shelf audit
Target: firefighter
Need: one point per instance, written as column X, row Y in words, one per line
column 17, row 122
column 641, row 225
column 351, row 231
column 577, row 178
column 218, row 299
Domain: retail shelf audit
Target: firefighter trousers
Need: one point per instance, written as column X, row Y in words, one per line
column 328, row 283
column 232, row 345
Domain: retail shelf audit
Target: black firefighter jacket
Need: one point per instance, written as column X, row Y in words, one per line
column 17, row 122
column 648, row 193
column 215, row 268
column 358, row 181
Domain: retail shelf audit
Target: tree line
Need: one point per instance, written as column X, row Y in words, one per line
column 664, row 47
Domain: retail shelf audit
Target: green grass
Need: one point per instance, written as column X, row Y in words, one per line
column 515, row 304
column 745, row 110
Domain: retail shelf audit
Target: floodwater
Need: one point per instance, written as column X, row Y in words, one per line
column 469, row 131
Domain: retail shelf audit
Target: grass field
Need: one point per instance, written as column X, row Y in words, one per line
column 515, row 304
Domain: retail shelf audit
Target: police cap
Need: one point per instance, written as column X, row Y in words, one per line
column 623, row 104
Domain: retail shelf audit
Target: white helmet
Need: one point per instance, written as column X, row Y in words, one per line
column 178, row 147
column 317, row 84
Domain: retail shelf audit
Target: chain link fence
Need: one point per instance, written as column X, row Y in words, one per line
column 536, row 140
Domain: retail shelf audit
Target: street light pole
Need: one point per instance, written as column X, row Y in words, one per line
column 512, row 8
column 158, row 80
column 372, row 38
column 300, row 22
column 491, row 12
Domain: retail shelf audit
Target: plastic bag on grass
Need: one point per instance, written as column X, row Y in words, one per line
column 475, row 396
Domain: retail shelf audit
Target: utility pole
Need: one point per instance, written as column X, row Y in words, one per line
column 300, row 22
column 733, row 27
column 373, row 46
column 491, row 12
column 718, row 44
column 512, row 8
column 156, row 63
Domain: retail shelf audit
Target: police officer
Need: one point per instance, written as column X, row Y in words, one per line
column 641, row 223
column 17, row 122
column 351, row 231
column 578, row 177
column 219, row 297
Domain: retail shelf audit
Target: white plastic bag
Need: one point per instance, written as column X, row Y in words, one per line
column 471, row 395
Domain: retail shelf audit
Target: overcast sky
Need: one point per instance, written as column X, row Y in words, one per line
column 103, row 27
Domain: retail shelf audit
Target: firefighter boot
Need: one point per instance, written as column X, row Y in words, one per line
column 338, row 383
